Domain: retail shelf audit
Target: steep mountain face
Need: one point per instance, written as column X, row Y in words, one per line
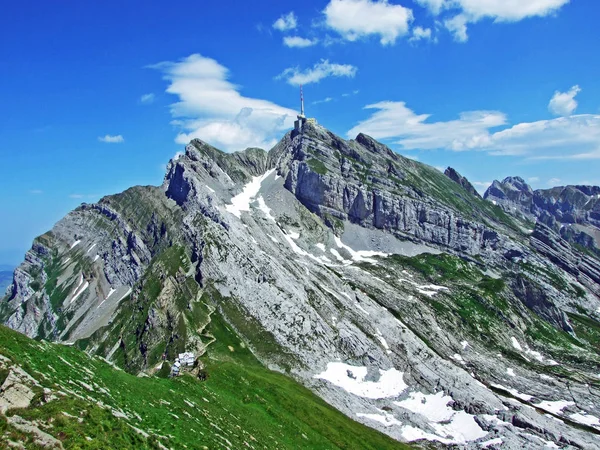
column 383, row 285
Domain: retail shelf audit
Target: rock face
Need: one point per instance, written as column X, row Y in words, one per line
column 385, row 286
column 513, row 195
column 458, row 178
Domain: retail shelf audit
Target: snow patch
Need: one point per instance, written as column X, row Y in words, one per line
column 382, row 340
column 352, row 380
column 554, row 407
column 458, row 358
column 273, row 239
column 210, row 189
column 585, row 419
column 241, row 202
column 464, row 345
column 91, row 248
column 510, row 372
column 387, row 420
column 516, row 344
column 78, row 292
column 451, row 427
column 74, row 244
column 125, row 294
column 264, row 208
column 495, row 441
column 513, row 391
column 320, row 247
column 361, row 255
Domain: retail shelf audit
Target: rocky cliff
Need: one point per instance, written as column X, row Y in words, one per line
column 383, row 285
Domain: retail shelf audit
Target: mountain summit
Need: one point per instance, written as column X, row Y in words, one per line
column 391, row 290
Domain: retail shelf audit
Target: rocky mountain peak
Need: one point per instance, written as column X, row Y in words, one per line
column 458, row 178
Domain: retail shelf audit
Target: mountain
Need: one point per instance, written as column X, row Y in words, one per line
column 571, row 211
column 384, row 286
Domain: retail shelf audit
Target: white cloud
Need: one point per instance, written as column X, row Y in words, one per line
column 435, row 6
column 36, row 191
column 553, row 181
column 325, row 100
column 109, row 139
column 395, row 119
column 212, row 108
column 299, row 42
column 464, row 12
column 564, row 103
column 286, row 22
column 419, row 33
column 323, row 69
column 533, row 179
column 508, row 10
column 481, row 186
column 355, row 19
column 147, row 98
column 457, row 26
column 574, row 137
column 78, row 196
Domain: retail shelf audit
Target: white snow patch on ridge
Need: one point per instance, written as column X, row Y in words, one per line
column 451, row 427
column 74, row 244
column 386, row 419
column 525, row 349
column 361, row 255
column 264, row 208
column 495, row 441
column 352, row 380
column 78, row 292
column 241, row 202
column 554, row 407
column 585, row 419
column 513, row 391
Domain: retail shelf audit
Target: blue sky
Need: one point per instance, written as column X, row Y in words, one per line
column 97, row 96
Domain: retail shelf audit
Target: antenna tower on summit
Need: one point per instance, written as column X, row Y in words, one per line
column 302, row 119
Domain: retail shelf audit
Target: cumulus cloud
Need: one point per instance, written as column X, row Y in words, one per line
column 420, row 33
column 574, row 137
column 212, row 108
column 286, row 22
column 146, row 99
column 299, row 42
column 355, row 19
column 564, row 103
column 323, row 69
column 533, row 179
column 463, row 12
column 457, row 26
column 109, row 139
column 435, row 6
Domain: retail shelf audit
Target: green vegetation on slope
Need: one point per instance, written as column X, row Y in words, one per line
column 241, row 403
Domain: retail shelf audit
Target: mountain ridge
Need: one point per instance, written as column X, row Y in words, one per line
column 329, row 258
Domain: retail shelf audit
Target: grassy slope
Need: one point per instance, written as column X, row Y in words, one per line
column 241, row 402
